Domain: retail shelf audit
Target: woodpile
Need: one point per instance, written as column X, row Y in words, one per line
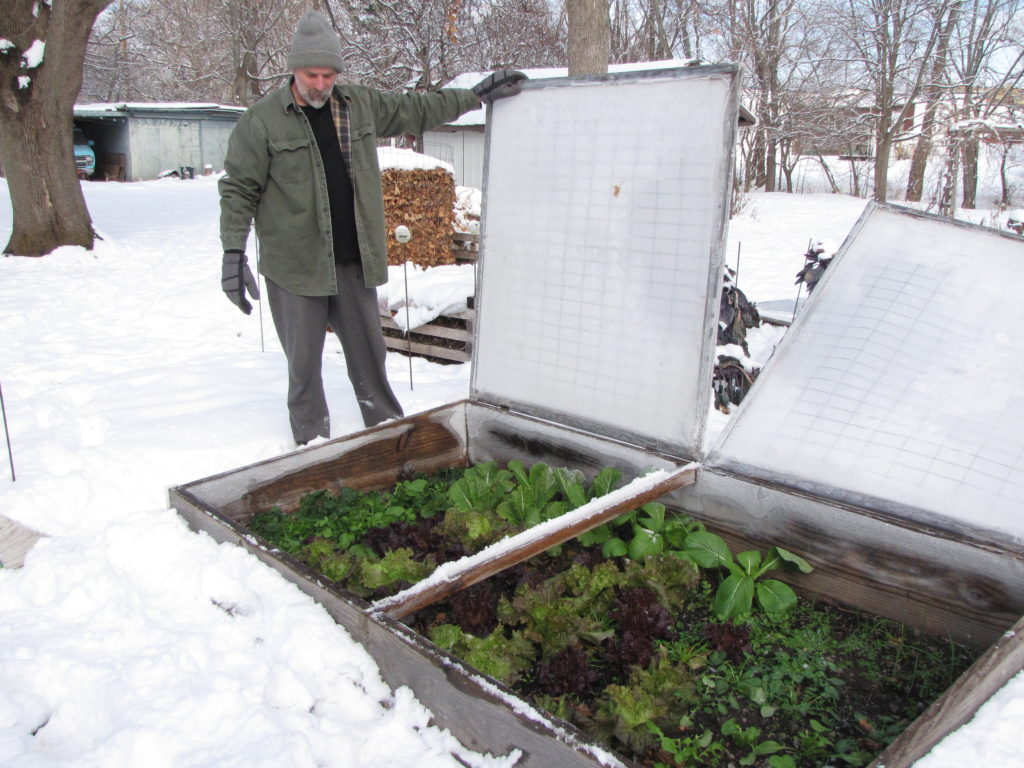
column 422, row 200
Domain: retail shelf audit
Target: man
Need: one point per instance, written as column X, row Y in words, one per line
column 302, row 163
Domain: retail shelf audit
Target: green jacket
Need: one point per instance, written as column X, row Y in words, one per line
column 274, row 175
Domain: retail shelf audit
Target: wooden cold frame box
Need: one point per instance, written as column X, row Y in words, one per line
column 572, row 370
column 483, row 714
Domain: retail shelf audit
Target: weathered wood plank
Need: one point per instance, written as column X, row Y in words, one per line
column 375, row 458
column 950, row 587
column 454, row 577
column 496, row 434
column 427, row 446
column 427, row 340
column 15, row 542
column 431, row 329
column 960, row 702
column 427, row 350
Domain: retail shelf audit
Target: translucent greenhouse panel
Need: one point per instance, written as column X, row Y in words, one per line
column 605, row 207
column 899, row 387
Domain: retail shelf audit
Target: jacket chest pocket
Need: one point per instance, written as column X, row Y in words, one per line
column 290, row 160
column 364, row 147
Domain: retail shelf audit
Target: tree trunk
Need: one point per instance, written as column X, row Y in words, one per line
column 755, row 164
column 1004, row 182
column 854, row 176
column 947, row 196
column 770, row 166
column 244, row 82
column 919, row 160
column 36, row 122
column 933, row 94
column 828, row 174
column 970, row 172
column 883, row 150
column 589, row 37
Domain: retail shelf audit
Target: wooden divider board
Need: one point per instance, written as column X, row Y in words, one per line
column 452, row 577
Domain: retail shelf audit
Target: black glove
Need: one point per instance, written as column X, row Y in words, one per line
column 235, row 274
column 499, row 84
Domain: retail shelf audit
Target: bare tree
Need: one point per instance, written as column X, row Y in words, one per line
column 781, row 46
column 395, row 43
column 40, row 75
column 933, row 93
column 651, row 30
column 989, row 65
column 892, row 42
column 257, row 36
column 235, row 50
column 764, row 29
column 111, row 60
column 514, row 34
column 228, row 51
column 589, row 43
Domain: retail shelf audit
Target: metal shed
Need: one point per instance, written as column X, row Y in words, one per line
column 139, row 141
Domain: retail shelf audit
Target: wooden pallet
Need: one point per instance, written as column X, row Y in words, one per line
column 465, row 246
column 448, row 339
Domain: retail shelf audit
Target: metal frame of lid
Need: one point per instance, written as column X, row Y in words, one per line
column 606, row 200
column 895, row 389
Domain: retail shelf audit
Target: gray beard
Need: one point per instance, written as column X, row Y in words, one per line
column 316, row 103
column 309, row 96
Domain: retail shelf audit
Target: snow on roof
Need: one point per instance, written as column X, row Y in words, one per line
column 407, row 160
column 154, row 106
column 992, row 127
column 479, row 116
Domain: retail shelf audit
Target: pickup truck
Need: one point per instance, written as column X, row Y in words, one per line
column 85, row 157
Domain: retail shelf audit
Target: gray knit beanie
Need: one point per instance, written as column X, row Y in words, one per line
column 315, row 44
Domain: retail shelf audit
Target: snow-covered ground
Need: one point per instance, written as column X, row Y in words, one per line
column 129, row 640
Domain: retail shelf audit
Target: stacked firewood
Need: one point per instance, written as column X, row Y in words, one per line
column 422, row 200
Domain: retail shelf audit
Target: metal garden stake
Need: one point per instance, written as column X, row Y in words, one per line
column 258, row 301
column 736, row 279
column 403, row 236
column 7, row 433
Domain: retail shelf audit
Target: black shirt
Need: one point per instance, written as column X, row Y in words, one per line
column 339, row 183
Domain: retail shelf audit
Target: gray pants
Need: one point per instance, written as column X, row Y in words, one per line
column 301, row 323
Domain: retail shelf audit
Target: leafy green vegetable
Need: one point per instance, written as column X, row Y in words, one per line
column 652, row 695
column 735, row 595
column 533, row 499
column 481, row 488
column 571, row 482
column 570, row 605
column 503, row 657
column 396, row 566
column 474, row 529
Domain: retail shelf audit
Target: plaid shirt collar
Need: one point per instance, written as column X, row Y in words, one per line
column 339, row 111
